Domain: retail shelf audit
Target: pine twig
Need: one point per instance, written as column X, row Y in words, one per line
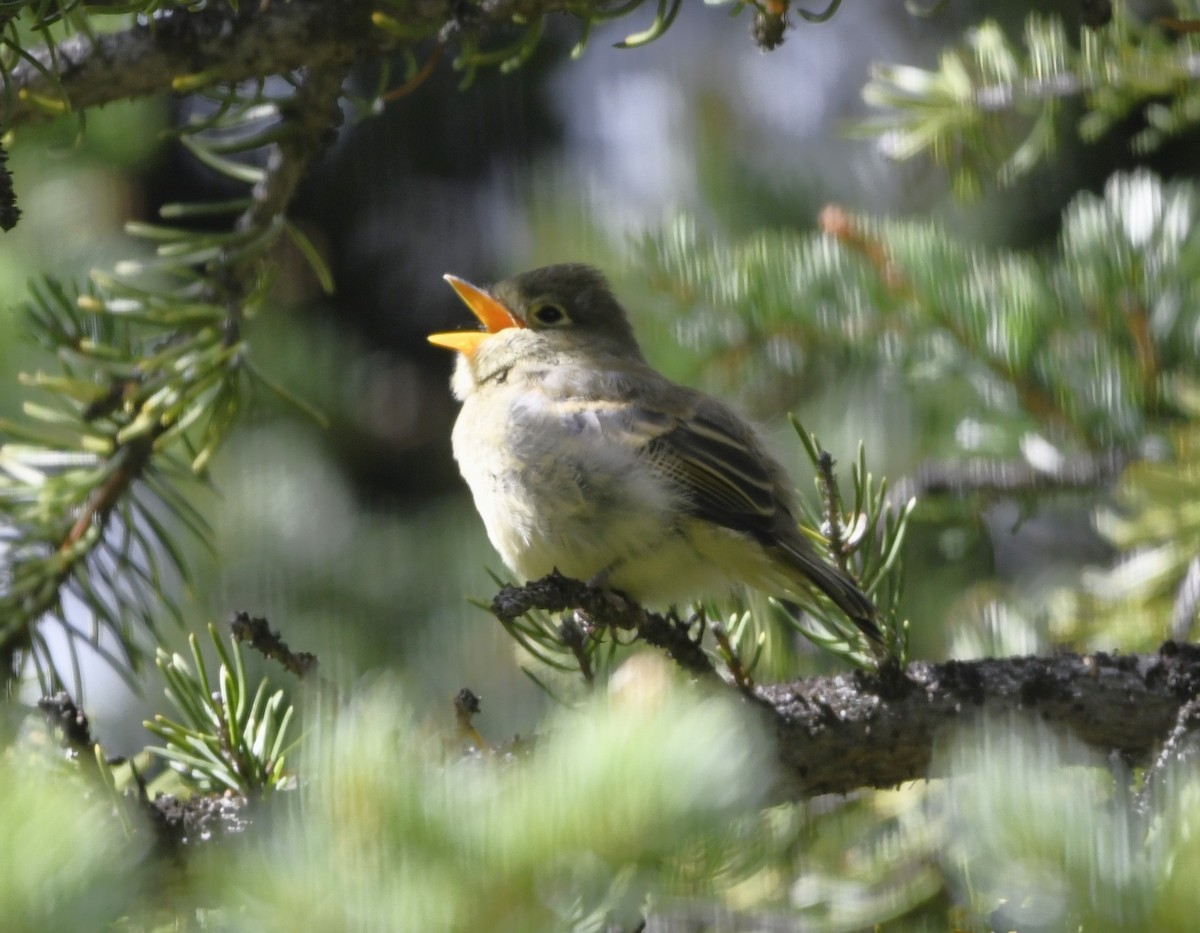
column 575, row 636
column 737, row 670
column 557, row 593
column 9, row 212
column 63, row 713
column 466, row 708
column 831, row 502
column 256, row 631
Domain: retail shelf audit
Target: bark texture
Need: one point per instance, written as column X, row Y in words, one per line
column 864, row 730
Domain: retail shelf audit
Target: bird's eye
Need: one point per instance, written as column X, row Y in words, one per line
column 549, row 314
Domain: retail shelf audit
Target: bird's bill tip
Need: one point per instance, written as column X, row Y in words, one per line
column 463, row 341
column 491, row 313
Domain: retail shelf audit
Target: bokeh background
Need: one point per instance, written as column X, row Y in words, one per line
column 358, row 540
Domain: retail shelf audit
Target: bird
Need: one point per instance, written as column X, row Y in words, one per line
column 584, row 459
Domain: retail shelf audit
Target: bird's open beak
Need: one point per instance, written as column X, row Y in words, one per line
column 491, row 313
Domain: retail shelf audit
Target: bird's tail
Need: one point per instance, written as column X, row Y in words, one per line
column 841, row 589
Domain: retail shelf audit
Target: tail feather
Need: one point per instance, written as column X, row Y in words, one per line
column 840, row 588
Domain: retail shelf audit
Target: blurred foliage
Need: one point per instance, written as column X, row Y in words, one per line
column 992, row 108
column 70, row 863
column 572, row 834
column 1093, row 346
column 1155, row 525
column 1043, row 836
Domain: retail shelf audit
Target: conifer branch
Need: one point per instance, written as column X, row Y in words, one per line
column 142, row 366
column 989, row 111
column 256, row 631
column 557, row 593
column 9, row 212
column 180, row 49
column 880, row 728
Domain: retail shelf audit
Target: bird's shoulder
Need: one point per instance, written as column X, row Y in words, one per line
column 609, row 396
column 635, row 395
column 699, row 444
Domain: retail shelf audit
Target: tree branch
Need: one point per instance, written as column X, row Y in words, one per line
column 9, row 212
column 877, row 729
column 256, row 631
column 215, row 42
column 557, row 593
column 180, row 49
column 1083, row 472
column 839, row 733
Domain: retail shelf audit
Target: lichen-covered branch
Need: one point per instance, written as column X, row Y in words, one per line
column 839, row 733
column 256, row 631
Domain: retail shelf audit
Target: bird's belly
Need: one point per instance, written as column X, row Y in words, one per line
column 578, row 503
column 642, row 552
column 547, row 517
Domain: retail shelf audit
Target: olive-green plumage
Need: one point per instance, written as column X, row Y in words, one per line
column 582, row 457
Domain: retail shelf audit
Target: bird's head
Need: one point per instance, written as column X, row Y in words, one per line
column 544, row 311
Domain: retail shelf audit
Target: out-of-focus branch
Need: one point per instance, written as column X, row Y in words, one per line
column 981, row 476
column 9, row 212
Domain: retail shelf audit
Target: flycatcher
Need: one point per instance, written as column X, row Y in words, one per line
column 582, row 457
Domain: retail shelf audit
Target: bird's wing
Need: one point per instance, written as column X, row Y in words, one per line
column 703, row 450
column 719, row 469
column 724, row 476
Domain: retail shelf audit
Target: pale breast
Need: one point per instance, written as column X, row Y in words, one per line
column 559, row 483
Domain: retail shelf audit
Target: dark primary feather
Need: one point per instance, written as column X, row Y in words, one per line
column 723, row 482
